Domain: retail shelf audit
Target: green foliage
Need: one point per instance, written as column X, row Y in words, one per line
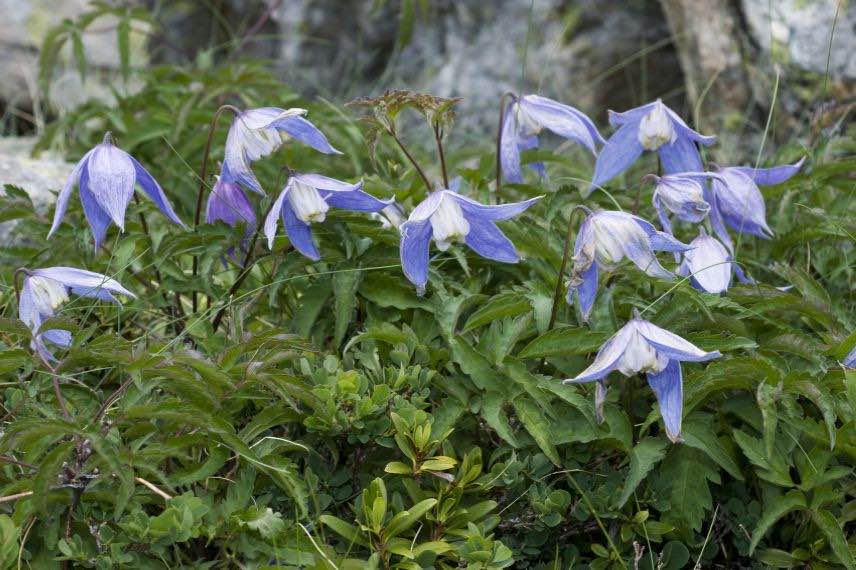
column 337, row 420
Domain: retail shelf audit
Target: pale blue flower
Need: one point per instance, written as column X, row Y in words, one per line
column 448, row 217
column 44, row 290
column 737, row 202
column 710, row 265
column 605, row 238
column 524, row 119
column 306, row 199
column 682, row 195
column 640, row 346
column 653, row 127
column 259, row 132
column 106, row 177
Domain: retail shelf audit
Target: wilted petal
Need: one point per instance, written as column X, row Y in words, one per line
column 228, row 203
column 111, row 180
column 488, row 241
column 415, row 241
column 620, row 151
column 770, row 176
column 299, row 233
column 154, row 191
column 302, row 130
column 671, row 345
column 65, row 193
column 668, row 386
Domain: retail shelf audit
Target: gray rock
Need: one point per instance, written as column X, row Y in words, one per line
column 41, row 177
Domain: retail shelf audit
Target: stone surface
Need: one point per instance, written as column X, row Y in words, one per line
column 41, row 177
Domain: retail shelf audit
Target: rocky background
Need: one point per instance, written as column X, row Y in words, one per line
column 720, row 62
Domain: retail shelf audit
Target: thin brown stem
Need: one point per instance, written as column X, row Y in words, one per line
column 409, row 156
column 111, row 399
column 438, row 138
column 502, row 99
column 60, row 398
column 247, row 266
column 203, row 173
column 566, row 253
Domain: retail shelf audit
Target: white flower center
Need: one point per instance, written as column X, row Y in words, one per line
column 47, row 293
column 639, row 356
column 307, row 203
column 527, row 125
column 611, row 235
column 448, row 223
column 656, row 128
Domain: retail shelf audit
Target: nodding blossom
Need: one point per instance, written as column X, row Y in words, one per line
column 709, row 265
column 106, row 177
column 306, row 199
column 448, row 217
column 682, row 195
column 736, row 200
column 652, row 127
column 524, row 119
column 640, row 346
column 228, row 203
column 259, row 132
column 44, row 290
column 605, row 238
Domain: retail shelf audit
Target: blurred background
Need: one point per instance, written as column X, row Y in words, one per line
column 722, row 64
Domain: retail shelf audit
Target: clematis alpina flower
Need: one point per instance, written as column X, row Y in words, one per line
column 228, row 203
column 710, row 265
column 640, row 346
column 524, row 119
column 605, row 238
column 258, row 132
column 652, row 127
column 681, row 194
column 850, row 360
column 106, row 177
column 448, row 217
column 736, row 200
column 44, row 290
column 306, row 199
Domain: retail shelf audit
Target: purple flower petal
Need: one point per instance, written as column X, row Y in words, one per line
column 488, row 241
column 154, row 191
column 65, row 193
column 740, row 203
column 630, row 116
column 83, row 280
column 98, row 219
column 355, row 200
column 668, row 386
column 709, row 264
column 671, row 345
column 620, row 151
column 680, row 156
column 494, row 213
column 302, row 130
column 299, row 233
column 585, row 292
column 228, row 203
column 274, row 215
column 563, row 120
column 111, row 180
column 607, row 357
column 415, row 242
column 770, row 176
column 509, row 152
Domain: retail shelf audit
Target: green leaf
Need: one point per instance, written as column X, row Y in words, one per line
column 46, row 476
column 494, row 415
column 699, row 434
column 793, row 500
column 498, row 307
column 123, row 39
column 536, row 424
column 406, row 519
column 643, row 457
column 834, row 536
column 686, row 473
column 563, row 341
column 345, row 285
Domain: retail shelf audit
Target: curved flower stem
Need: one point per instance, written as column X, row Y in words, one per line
column 557, row 295
column 202, row 175
column 19, row 271
column 394, row 135
column 502, row 99
column 438, row 138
